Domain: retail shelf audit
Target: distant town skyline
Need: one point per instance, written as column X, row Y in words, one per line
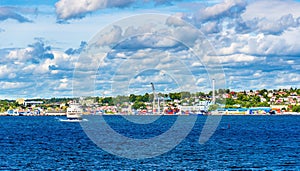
column 256, row 42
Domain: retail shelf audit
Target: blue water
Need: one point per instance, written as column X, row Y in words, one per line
column 251, row 142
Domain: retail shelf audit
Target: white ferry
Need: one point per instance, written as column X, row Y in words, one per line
column 74, row 112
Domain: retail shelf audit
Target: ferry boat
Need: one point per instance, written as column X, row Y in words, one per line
column 74, row 112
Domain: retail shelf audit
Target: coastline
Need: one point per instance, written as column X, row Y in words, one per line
column 215, row 114
column 46, row 114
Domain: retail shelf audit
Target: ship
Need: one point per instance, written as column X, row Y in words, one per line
column 74, row 112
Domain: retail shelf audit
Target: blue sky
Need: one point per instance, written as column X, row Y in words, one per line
column 255, row 41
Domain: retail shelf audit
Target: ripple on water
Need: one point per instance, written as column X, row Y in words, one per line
column 251, row 143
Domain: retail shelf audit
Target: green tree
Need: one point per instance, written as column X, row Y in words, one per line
column 132, row 98
column 296, row 108
column 174, row 96
column 256, row 99
column 121, row 99
column 263, row 104
column 263, row 92
column 97, row 99
column 200, row 94
column 146, row 97
column 185, row 94
column 108, row 101
column 230, row 101
column 242, row 97
column 139, row 105
column 139, row 98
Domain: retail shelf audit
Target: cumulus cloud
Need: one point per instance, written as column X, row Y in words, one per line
column 36, row 69
column 148, row 41
column 211, row 27
column 67, row 9
column 261, row 9
column 278, row 26
column 228, row 8
column 112, row 37
column 64, row 85
column 262, row 45
column 144, row 37
column 40, row 51
column 239, row 58
column 213, row 19
column 4, row 71
column 234, row 15
column 34, row 53
column 176, row 20
column 249, row 37
column 12, row 13
column 72, row 51
column 288, row 78
column 11, row 85
column 63, row 62
column 252, row 40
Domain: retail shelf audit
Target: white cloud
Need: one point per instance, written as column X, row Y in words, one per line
column 12, row 85
column 263, row 45
column 4, row 71
column 211, row 27
column 258, row 74
column 67, row 8
column 20, row 54
column 12, row 75
column 290, row 62
column 29, row 72
column 239, row 58
column 285, row 77
column 63, row 61
column 29, row 68
column 176, row 20
column 43, row 68
column 248, row 39
column 133, row 30
column 12, row 13
column 111, row 37
column 277, row 26
column 222, row 7
column 220, row 10
column 64, row 84
column 271, row 10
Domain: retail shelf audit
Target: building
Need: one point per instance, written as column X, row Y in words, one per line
column 32, row 102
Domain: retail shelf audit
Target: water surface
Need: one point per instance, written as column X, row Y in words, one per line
column 240, row 143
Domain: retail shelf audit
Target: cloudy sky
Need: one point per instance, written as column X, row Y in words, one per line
column 44, row 43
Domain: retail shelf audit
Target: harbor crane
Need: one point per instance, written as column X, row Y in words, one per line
column 154, row 98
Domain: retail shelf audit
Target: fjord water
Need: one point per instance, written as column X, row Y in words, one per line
column 240, row 142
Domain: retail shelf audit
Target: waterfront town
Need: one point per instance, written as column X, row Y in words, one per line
column 226, row 102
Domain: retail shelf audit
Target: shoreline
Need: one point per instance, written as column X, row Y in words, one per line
column 64, row 114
